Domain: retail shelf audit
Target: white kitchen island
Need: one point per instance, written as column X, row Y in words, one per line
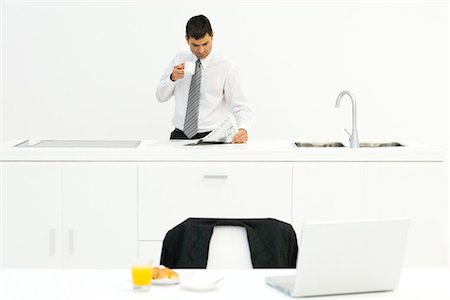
column 102, row 207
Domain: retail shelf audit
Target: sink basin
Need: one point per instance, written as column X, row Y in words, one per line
column 338, row 144
column 321, row 145
column 375, row 145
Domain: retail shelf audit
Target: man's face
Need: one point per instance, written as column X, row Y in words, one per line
column 201, row 47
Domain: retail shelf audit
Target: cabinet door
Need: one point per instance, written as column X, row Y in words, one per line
column 31, row 208
column 337, row 191
column 327, row 191
column 99, row 214
column 413, row 190
column 171, row 192
column 150, row 251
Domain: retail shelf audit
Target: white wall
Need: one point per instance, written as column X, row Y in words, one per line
column 75, row 70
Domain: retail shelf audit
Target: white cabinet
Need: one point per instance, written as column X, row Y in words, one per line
column 104, row 214
column 150, row 251
column 327, row 191
column 99, row 215
column 338, row 190
column 171, row 192
column 31, row 210
column 71, row 215
column 414, row 190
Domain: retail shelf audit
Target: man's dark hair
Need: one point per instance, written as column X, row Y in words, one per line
column 198, row 26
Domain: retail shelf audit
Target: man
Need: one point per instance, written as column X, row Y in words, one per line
column 203, row 99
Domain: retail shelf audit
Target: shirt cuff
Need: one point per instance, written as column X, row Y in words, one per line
column 244, row 126
column 169, row 81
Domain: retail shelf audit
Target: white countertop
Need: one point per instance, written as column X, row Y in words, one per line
column 254, row 150
column 237, row 284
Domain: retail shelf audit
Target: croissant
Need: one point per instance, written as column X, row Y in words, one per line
column 164, row 272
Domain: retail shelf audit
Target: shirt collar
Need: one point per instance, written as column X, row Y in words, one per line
column 205, row 62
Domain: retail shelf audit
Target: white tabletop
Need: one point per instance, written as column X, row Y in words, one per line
column 237, row 284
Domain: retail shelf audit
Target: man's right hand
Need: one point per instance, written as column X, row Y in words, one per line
column 177, row 73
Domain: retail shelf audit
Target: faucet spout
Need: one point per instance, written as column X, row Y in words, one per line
column 354, row 141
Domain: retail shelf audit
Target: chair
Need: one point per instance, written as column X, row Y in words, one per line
column 229, row 248
column 201, row 243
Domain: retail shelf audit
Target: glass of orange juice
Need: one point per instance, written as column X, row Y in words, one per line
column 141, row 273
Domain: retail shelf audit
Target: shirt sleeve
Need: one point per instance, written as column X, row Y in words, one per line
column 166, row 86
column 239, row 104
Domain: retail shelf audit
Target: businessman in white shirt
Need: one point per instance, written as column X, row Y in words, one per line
column 203, row 99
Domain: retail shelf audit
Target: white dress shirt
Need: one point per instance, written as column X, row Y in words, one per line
column 220, row 92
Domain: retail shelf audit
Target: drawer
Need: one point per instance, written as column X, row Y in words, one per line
column 169, row 193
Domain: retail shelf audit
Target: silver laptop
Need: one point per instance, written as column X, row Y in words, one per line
column 346, row 257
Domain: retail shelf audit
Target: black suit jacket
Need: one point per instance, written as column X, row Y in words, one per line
column 273, row 243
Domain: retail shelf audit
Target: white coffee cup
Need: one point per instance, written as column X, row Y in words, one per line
column 189, row 67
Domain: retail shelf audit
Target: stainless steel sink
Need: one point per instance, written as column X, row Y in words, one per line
column 338, row 144
column 375, row 145
column 320, row 145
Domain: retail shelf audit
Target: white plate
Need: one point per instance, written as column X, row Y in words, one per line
column 200, row 283
column 165, row 281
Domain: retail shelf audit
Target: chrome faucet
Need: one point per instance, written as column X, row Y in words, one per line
column 354, row 141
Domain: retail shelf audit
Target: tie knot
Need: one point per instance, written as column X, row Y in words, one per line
column 198, row 63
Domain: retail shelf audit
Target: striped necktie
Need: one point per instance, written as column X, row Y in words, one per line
column 191, row 119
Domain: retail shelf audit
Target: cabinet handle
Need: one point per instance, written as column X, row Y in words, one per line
column 215, row 176
column 52, row 241
column 71, row 241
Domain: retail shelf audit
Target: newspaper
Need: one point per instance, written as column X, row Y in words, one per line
column 222, row 134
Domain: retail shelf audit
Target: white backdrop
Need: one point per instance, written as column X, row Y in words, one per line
column 88, row 70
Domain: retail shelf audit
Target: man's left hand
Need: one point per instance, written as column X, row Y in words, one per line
column 241, row 137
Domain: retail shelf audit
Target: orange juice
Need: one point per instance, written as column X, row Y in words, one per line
column 141, row 274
